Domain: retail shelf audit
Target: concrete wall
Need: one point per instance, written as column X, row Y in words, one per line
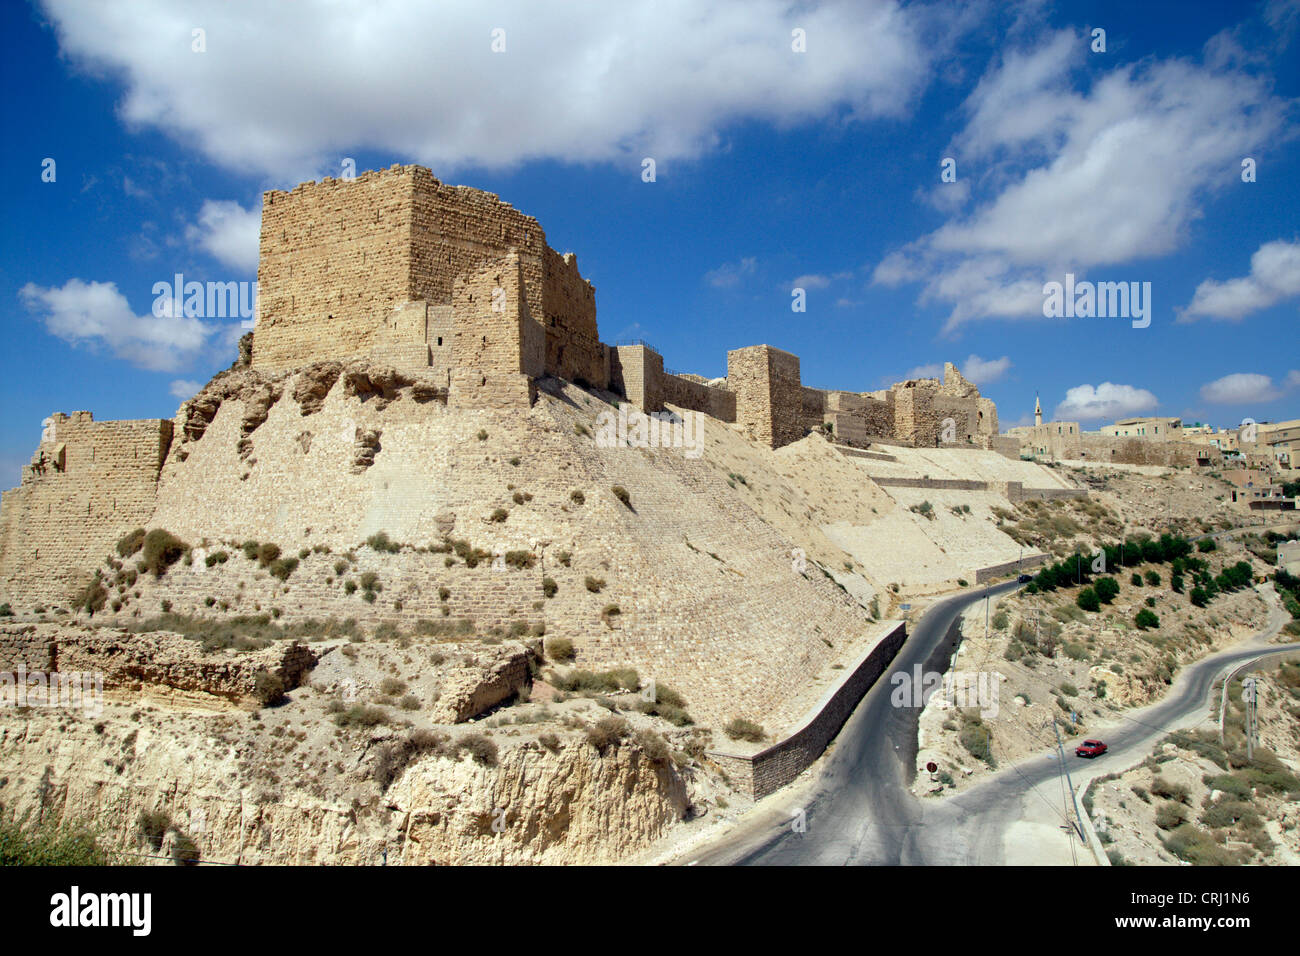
column 769, row 770
column 98, row 481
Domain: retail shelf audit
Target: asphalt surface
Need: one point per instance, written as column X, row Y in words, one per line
column 861, row 810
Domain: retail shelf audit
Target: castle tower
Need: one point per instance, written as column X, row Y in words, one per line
column 1038, row 410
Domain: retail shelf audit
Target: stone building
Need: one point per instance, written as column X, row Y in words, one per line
column 454, row 287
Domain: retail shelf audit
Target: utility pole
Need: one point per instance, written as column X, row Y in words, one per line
column 1248, row 697
column 1060, row 748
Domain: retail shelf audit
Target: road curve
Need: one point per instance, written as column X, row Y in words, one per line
column 861, row 811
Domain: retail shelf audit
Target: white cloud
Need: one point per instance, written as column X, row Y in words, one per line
column 1084, row 403
column 95, row 314
column 933, row 370
column 1240, row 388
column 184, row 388
column 1274, row 276
column 810, row 282
column 284, row 89
column 1072, row 180
column 228, row 232
column 729, row 274
column 1293, row 378
column 983, row 372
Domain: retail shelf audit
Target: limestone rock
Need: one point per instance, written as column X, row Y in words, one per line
column 470, row 689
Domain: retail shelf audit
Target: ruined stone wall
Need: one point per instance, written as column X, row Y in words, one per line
column 573, row 348
column 499, row 349
column 697, row 396
column 769, row 396
column 987, row 415
column 964, row 414
column 916, row 420
column 98, row 482
column 638, row 372
column 335, row 261
column 1140, row 451
column 813, row 412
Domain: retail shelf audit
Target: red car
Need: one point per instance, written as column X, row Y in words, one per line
column 1090, row 748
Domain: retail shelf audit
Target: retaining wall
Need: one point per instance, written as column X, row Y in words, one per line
column 769, row 770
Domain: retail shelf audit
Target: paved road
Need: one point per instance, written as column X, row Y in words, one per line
column 861, row 811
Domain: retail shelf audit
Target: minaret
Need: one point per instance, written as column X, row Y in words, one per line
column 1038, row 410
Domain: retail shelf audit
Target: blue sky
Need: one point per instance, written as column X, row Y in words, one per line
column 774, row 169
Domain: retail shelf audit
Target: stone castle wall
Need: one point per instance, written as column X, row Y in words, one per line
column 335, row 258
column 769, row 396
column 89, row 483
column 638, row 372
column 499, row 349
column 339, row 257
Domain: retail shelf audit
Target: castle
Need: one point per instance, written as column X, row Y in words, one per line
column 398, row 270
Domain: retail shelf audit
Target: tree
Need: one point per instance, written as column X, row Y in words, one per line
column 1107, row 589
column 1153, row 579
column 1135, row 580
column 1088, row 600
column 1146, row 619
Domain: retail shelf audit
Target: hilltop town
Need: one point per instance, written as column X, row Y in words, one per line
column 432, row 573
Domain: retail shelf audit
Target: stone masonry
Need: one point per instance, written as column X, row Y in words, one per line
column 88, row 484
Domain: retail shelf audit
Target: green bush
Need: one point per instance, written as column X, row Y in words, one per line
column 161, row 550
column 1107, row 589
column 360, row 715
column 479, row 747
column 130, row 543
column 267, row 553
column 1152, row 579
column 281, row 568
column 26, row 844
column 977, row 738
column 92, row 597
column 738, row 728
column 1170, row 815
column 1088, row 600
column 1146, row 619
column 1206, row 545
column 1135, row 580
column 381, row 542
column 559, row 649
